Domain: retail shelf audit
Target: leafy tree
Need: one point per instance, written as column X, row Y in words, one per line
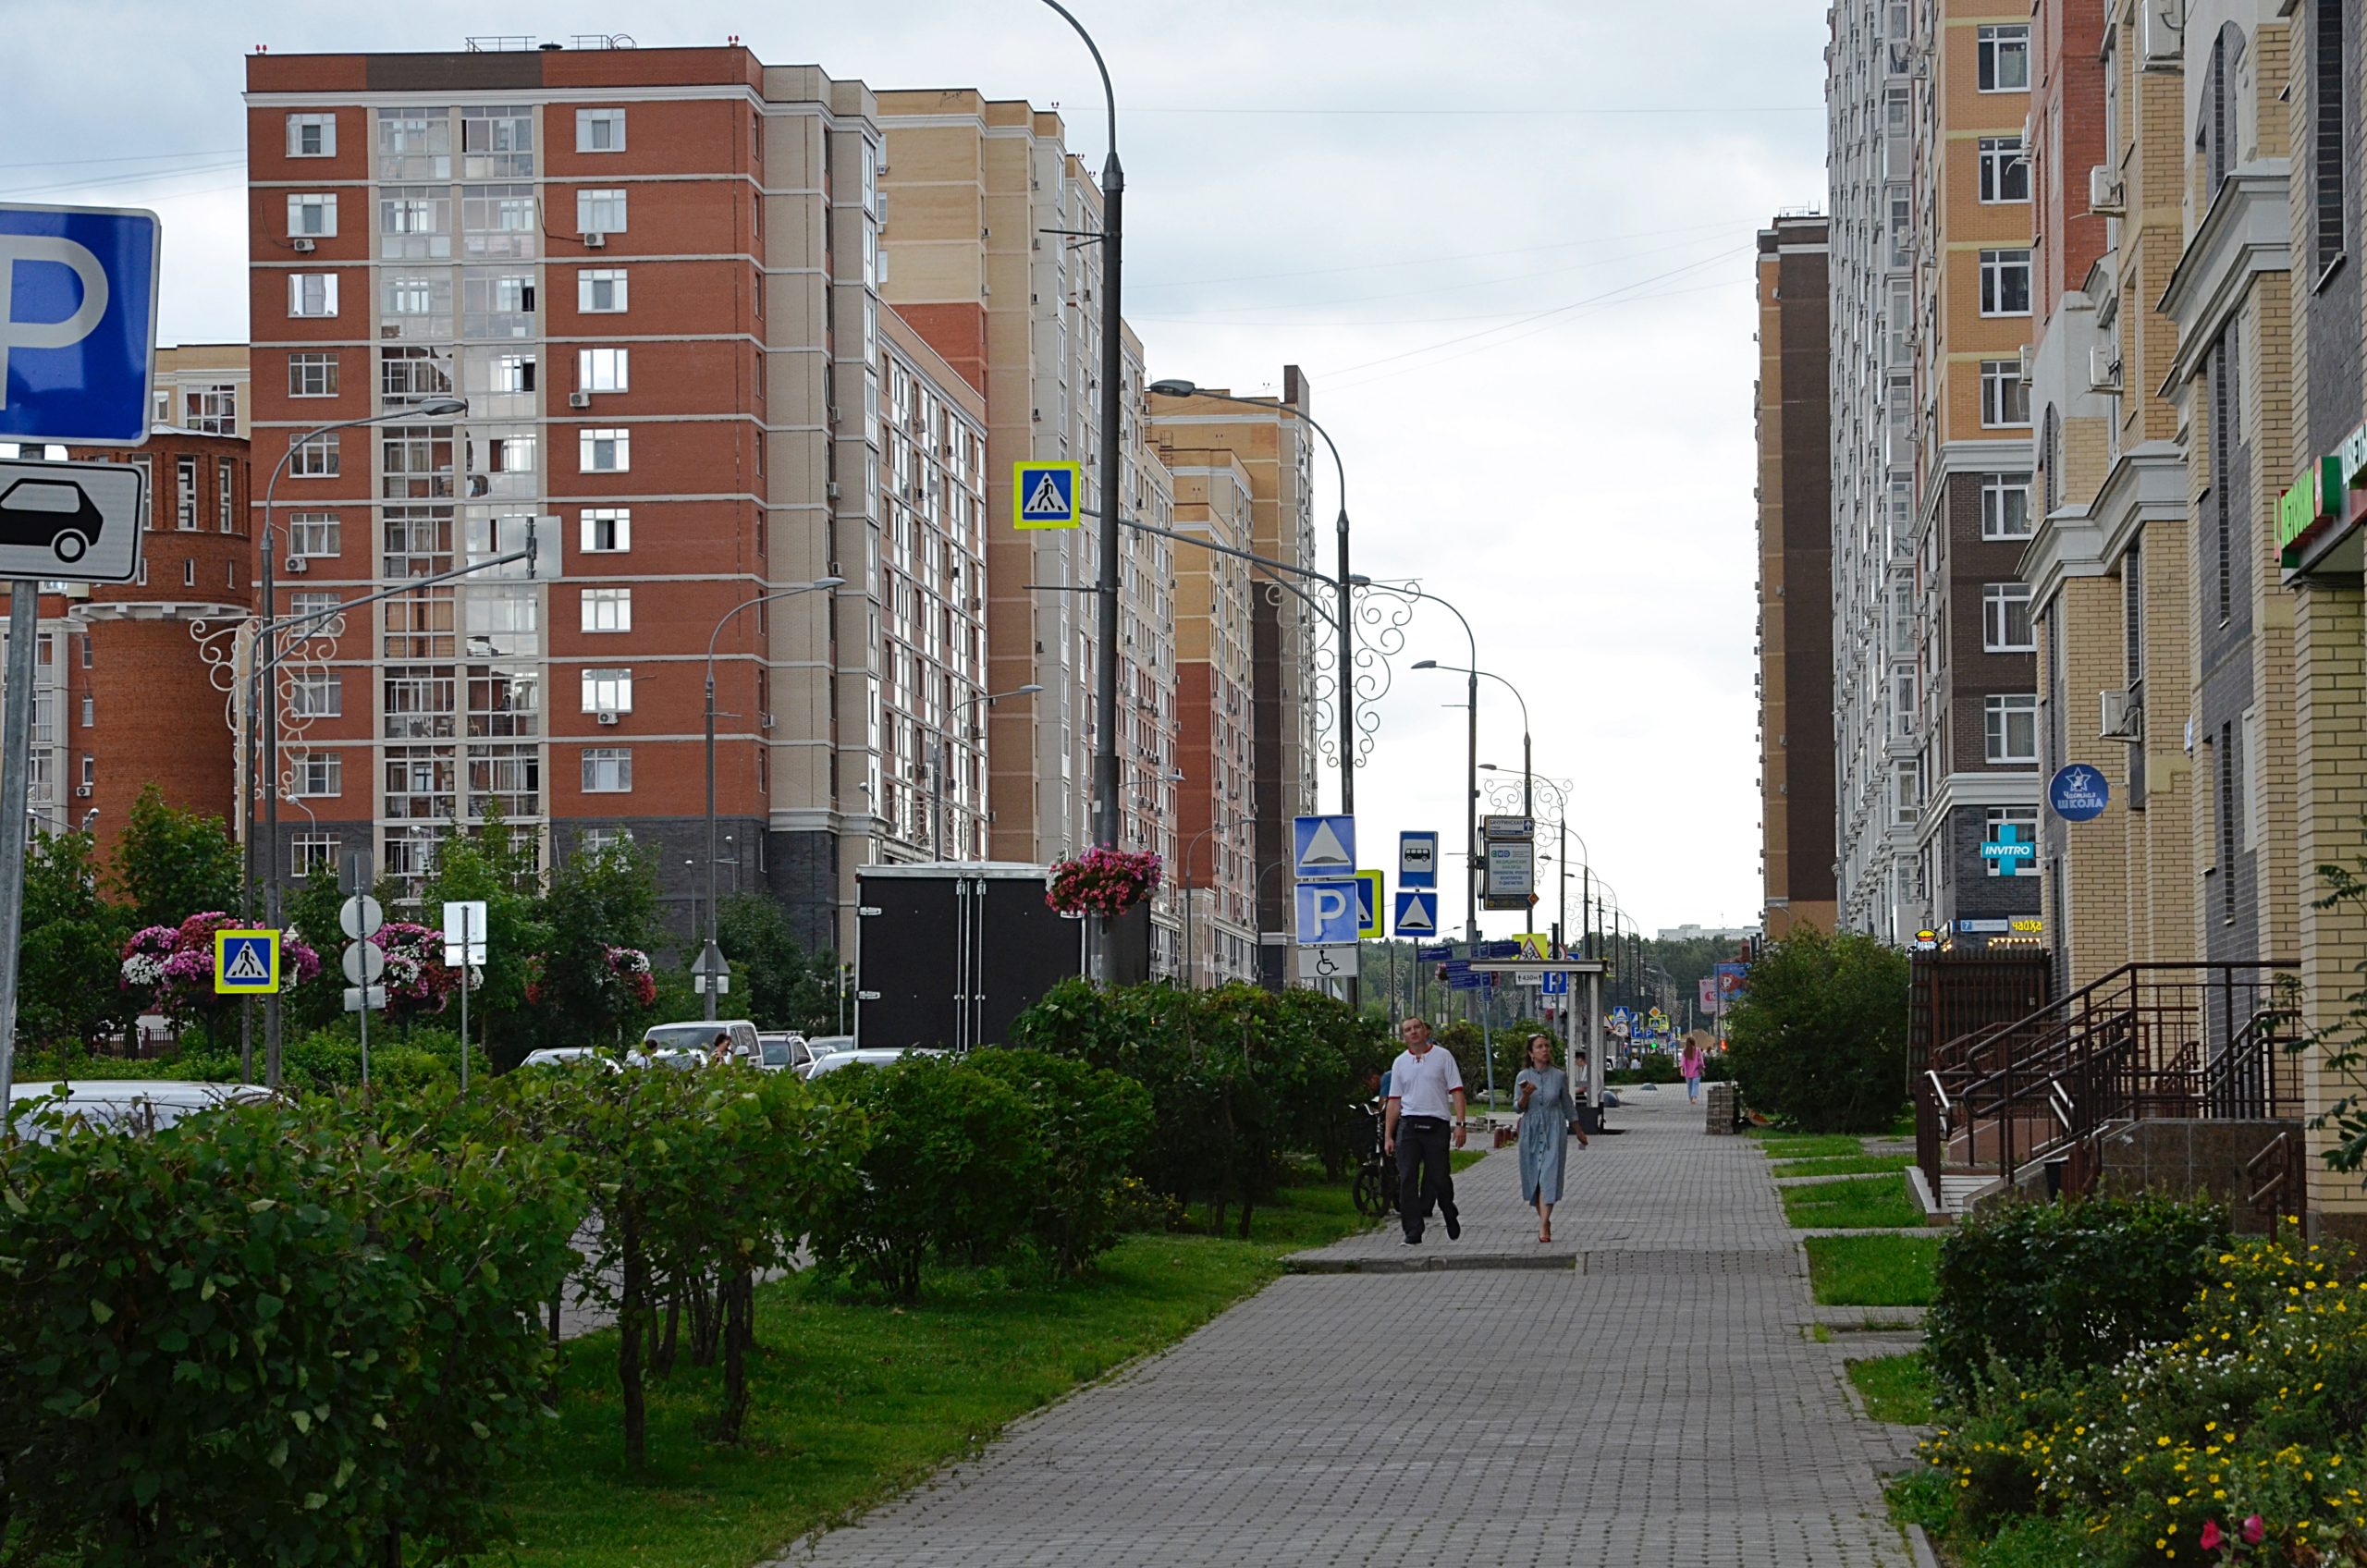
column 1094, row 1123
column 597, row 904
column 496, row 864
column 1818, row 1040
column 71, row 958
column 170, row 863
column 783, row 986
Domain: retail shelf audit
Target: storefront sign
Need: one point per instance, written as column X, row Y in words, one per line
column 2079, row 793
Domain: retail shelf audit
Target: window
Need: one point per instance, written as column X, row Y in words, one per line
column 213, row 409
column 185, row 494
column 316, row 694
column 82, row 646
column 90, row 771
column 316, row 849
column 188, row 573
column 415, row 222
column 315, row 608
column 311, row 376
column 2328, row 146
column 601, row 370
column 608, row 770
column 2012, row 728
column 2023, row 820
column 608, row 530
column 607, row 609
column 2004, row 399
column 311, row 214
column 315, row 457
column 320, row 773
column 2006, row 283
column 600, row 212
column 2230, row 809
column 607, row 690
column 311, row 136
column 497, row 143
column 226, row 495
column 2005, row 57
column 2005, row 617
column 605, row 451
column 2005, row 506
column 2005, row 170
column 600, row 290
column 90, row 712
column 599, row 131
column 1907, row 795
column 312, row 533
column 411, row 375
column 312, row 293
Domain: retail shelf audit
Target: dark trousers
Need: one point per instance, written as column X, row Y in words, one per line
column 1422, row 1177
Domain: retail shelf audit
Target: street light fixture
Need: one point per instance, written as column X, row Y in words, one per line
column 1113, row 332
column 936, row 762
column 266, row 658
column 711, row 957
column 1527, row 802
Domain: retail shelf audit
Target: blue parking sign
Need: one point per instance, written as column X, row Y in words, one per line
column 78, row 323
column 1329, row 912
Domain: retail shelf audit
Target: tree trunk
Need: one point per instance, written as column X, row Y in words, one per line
column 706, row 1315
column 661, row 1346
column 737, row 1301
column 632, row 1312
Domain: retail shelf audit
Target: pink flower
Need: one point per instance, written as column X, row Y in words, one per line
column 2254, row 1528
column 2211, row 1539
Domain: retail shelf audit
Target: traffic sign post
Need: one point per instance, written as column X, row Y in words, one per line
column 360, row 917
column 1417, row 914
column 468, row 916
column 246, row 962
column 1323, row 847
column 1329, row 914
column 78, row 361
column 1371, row 898
column 1417, row 860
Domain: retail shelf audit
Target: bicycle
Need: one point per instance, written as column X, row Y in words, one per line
column 1374, row 1191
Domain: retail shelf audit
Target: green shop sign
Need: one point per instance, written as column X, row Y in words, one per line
column 2322, row 496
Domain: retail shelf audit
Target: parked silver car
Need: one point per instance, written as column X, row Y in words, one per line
column 837, row 1061
column 119, row 1105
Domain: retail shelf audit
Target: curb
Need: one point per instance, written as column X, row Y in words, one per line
column 1566, row 1263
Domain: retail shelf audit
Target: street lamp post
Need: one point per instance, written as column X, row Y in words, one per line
column 1113, row 328
column 266, row 658
column 1471, row 766
column 710, row 959
column 936, row 762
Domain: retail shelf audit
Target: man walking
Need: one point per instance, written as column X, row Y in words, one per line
column 1425, row 1090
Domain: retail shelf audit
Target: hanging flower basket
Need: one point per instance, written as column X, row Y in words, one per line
column 1101, row 881
column 170, row 968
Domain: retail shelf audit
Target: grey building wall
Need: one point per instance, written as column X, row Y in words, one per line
column 2226, row 547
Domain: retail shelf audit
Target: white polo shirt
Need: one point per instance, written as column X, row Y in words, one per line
column 1421, row 1084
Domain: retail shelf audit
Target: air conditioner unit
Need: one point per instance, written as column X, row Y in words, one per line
column 2104, row 367
column 608, row 716
column 595, row 241
column 2028, row 365
column 883, row 166
column 2162, row 33
column 2123, row 717
column 766, row 722
column 831, row 489
column 303, row 247
column 82, row 791
column 834, row 413
column 299, row 565
column 579, row 400
column 2106, row 195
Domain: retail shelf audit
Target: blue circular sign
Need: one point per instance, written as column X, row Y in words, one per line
column 2079, row 793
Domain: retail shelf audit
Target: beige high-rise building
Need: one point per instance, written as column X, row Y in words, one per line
column 1976, row 723
column 985, row 208
column 206, row 387
column 1273, row 447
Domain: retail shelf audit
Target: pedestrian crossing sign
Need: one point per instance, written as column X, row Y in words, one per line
column 246, row 962
column 1044, row 494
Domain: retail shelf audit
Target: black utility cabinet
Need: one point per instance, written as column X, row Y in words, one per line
column 947, row 954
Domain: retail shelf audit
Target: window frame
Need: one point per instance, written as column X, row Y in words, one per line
column 2000, row 159
column 331, row 765
column 607, row 770
column 317, row 535
column 307, row 120
column 588, row 121
column 619, row 520
column 1998, row 602
column 603, row 612
column 2001, row 387
column 316, row 456
column 589, row 440
column 304, row 203
column 588, row 278
column 614, row 680
column 300, row 294
column 1993, row 42
column 1999, row 710
column 604, row 370
column 1996, row 267
column 1992, row 516
column 591, row 201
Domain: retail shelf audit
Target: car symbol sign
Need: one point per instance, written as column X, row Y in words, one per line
column 72, row 523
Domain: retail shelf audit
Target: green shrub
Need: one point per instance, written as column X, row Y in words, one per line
column 1093, row 1124
column 273, row 1334
column 1655, row 1067
column 951, row 1167
column 1818, row 1041
column 2074, row 1284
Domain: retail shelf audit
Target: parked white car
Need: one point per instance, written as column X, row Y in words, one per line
column 123, row 1105
column 837, row 1061
column 698, row 1035
column 564, row 1056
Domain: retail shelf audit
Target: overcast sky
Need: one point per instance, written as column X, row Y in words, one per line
column 1510, row 243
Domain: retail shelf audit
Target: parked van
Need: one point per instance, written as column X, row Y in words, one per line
column 700, row 1036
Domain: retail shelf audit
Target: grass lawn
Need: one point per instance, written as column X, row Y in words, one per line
column 1871, row 1203
column 1463, row 1159
column 1896, row 1388
column 1872, row 1270
column 854, row 1401
column 1808, row 1145
column 1927, row 1497
column 1844, row 1165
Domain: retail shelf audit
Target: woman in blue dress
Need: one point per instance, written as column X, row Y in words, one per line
column 1548, row 1120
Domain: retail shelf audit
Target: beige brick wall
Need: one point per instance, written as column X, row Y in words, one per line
column 2330, row 728
column 2161, row 848
column 2088, row 916
column 2266, row 341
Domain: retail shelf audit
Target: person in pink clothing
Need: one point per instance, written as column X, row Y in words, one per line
column 1688, row 1063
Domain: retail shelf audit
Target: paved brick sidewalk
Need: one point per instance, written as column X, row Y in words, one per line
column 1658, row 1403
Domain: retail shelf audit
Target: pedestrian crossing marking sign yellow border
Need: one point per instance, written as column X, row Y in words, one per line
column 1376, row 904
column 246, row 964
column 1046, row 495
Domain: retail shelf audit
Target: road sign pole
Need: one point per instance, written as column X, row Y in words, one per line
column 16, row 776
column 365, row 1037
column 465, row 912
